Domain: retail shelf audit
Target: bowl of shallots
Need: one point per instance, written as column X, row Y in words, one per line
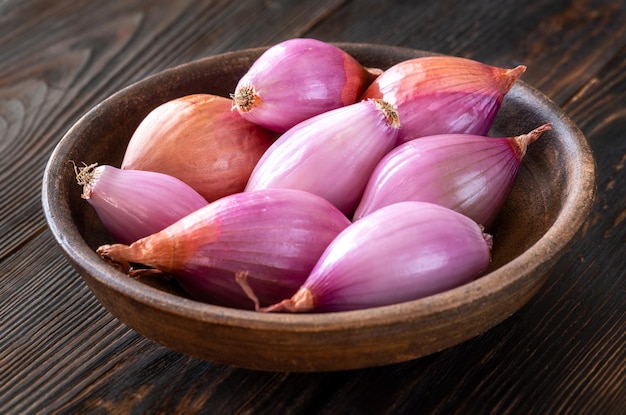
column 310, row 206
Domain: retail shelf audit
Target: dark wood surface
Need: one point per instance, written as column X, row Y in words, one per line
column 62, row 352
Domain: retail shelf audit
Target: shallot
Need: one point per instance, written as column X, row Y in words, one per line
column 332, row 154
column 198, row 139
column 271, row 237
column 444, row 94
column 297, row 79
column 469, row 173
column 401, row 252
column 132, row 204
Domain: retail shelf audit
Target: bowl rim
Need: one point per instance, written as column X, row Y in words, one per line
column 576, row 208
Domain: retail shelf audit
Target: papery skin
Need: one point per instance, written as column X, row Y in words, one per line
column 297, row 79
column 330, row 155
column 444, row 94
column 470, row 174
column 132, row 204
column 401, row 252
column 273, row 237
column 200, row 140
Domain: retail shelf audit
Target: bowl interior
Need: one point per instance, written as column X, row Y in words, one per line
column 551, row 197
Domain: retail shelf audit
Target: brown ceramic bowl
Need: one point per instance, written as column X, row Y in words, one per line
column 551, row 199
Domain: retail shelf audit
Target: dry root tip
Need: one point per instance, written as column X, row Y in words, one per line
column 540, row 130
column 85, row 175
column 511, row 76
column 300, row 302
column 521, row 142
column 488, row 240
column 245, row 98
column 241, row 278
column 371, row 74
column 389, row 111
column 119, row 253
column 105, row 252
column 138, row 273
column 375, row 72
column 282, row 307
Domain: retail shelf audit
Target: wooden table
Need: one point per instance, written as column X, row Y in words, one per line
column 62, row 352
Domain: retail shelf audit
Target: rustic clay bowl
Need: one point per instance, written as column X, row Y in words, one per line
column 551, row 199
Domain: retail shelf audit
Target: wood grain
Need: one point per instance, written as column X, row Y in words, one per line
column 61, row 352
